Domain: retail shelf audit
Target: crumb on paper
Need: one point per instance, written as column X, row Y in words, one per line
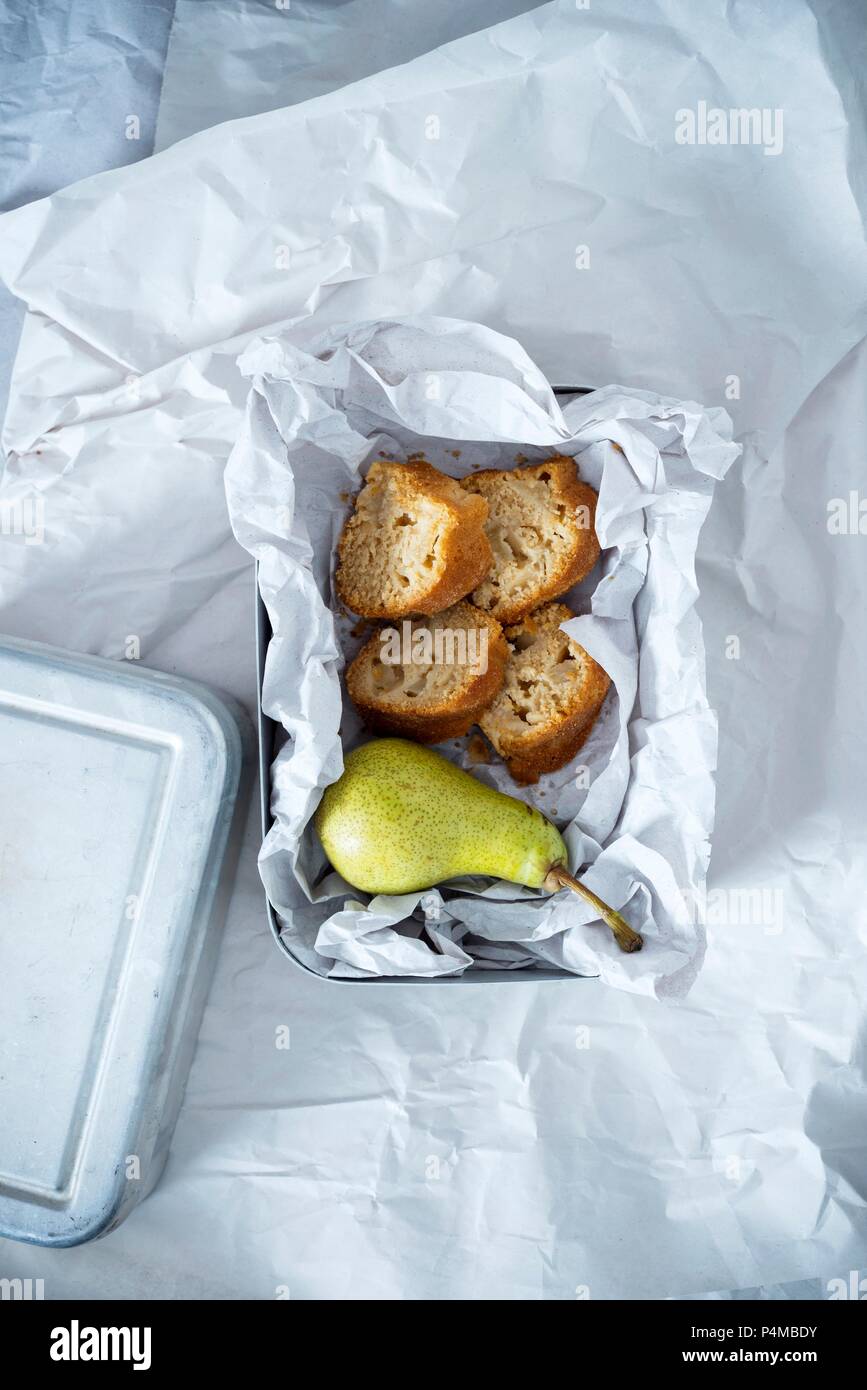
column 346, row 496
column 455, row 453
column 477, row 750
column 617, row 447
column 521, row 458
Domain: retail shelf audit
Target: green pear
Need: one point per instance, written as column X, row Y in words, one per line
column 402, row 818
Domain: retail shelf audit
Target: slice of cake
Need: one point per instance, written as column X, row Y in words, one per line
column 415, row 543
column 541, row 526
column 551, row 695
column 429, row 678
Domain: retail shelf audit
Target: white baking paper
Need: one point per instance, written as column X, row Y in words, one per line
column 468, row 398
column 261, row 54
column 541, row 1141
column 527, row 177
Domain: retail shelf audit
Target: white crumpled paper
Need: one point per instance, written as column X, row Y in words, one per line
column 585, row 1138
column 314, row 421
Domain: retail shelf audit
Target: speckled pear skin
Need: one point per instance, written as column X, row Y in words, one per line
column 402, row 818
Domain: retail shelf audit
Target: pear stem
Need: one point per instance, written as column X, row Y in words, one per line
column 626, row 938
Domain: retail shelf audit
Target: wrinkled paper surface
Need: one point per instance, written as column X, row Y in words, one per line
column 315, row 420
column 580, row 1138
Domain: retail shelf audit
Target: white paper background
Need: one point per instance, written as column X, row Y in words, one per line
column 710, row 1145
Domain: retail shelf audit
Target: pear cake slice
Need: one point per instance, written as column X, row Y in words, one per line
column 552, row 692
column 541, row 526
column 415, row 543
column 429, row 678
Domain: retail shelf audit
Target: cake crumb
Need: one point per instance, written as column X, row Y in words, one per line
column 477, row 750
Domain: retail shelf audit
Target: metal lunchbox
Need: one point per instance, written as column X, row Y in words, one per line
column 119, row 814
column 268, row 733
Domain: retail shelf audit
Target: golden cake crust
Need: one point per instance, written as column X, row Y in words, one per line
column 541, row 526
column 433, row 701
column 550, row 698
column 414, row 544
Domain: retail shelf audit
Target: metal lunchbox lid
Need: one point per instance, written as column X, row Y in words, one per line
column 119, row 800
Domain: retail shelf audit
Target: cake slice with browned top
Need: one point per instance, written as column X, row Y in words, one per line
column 415, row 543
column 552, row 693
column 541, row 526
column 429, row 678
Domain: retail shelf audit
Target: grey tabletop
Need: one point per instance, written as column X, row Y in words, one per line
column 71, row 77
